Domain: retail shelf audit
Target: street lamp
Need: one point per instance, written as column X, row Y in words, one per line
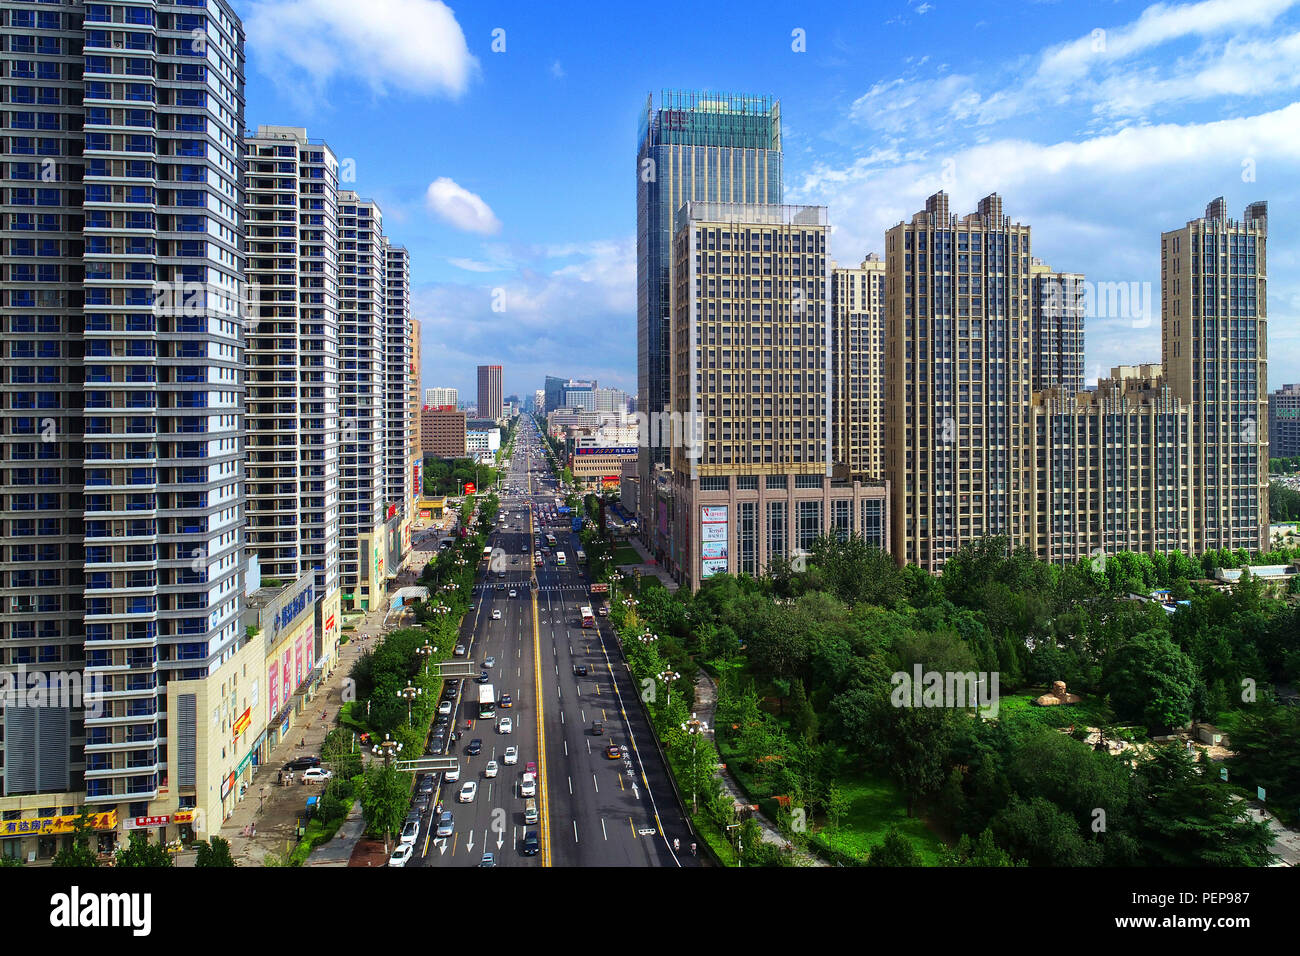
column 694, row 727
column 668, row 677
column 426, row 651
column 409, row 693
column 647, row 638
column 388, row 748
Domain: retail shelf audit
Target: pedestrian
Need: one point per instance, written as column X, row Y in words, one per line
column 692, row 849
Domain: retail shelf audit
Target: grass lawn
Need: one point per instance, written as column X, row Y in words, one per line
column 626, row 555
column 876, row 805
column 1020, row 708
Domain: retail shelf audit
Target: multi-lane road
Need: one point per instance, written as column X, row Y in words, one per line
column 595, row 808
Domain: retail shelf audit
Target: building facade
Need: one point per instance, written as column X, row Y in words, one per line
column 122, row 484
column 1059, row 300
column 692, row 146
column 441, row 396
column 442, row 432
column 958, row 353
column 397, row 381
column 1214, row 338
column 858, row 367
column 489, row 391
column 1284, row 422
column 754, row 481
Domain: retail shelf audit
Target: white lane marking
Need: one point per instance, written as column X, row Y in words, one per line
column 602, row 829
column 594, row 783
column 575, row 831
column 570, row 786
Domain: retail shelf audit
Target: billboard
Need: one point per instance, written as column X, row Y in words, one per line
column 713, row 541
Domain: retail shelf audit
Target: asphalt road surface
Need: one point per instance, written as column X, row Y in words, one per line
column 595, row 809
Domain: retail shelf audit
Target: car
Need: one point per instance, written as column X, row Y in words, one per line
column 302, row 763
column 452, row 775
column 528, row 785
column 446, row 824
column 531, row 843
column 449, row 693
column 473, row 605
column 506, row 701
column 513, row 592
column 491, row 770
column 421, row 804
column 580, row 670
column 496, row 614
column 530, row 768
column 489, row 662
column 443, row 721
column 427, row 783
column 483, row 677
column 614, row 752
column 402, row 855
column 459, row 651
column 411, row 832
column 319, row 774
column 444, row 708
column 468, row 791
column 501, row 587
column 511, row 756
column 597, row 728
column 488, row 859
column 437, row 747
column 474, row 747
column 505, row 726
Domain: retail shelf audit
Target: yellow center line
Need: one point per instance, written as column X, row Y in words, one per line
column 543, row 804
column 632, row 826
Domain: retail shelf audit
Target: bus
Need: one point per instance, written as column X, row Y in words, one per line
column 487, row 553
column 559, row 559
column 550, row 540
column 588, row 619
column 581, row 556
column 487, row 702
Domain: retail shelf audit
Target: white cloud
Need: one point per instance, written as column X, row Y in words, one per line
column 463, row 209
column 557, row 70
column 412, row 45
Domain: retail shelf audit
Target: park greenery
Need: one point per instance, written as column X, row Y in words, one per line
column 807, row 722
column 448, row 476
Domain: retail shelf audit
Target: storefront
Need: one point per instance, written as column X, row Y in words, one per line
column 31, row 836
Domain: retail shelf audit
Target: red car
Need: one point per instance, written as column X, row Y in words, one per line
column 531, row 767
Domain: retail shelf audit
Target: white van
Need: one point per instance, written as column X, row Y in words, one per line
column 530, row 811
column 528, row 786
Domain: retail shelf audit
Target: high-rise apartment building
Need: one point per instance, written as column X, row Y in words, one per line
column 442, row 431
column 363, row 257
column 1112, row 468
column 441, row 396
column 693, row 146
column 958, row 352
column 121, row 432
column 1284, row 422
column 858, row 367
column 752, row 480
column 414, row 442
column 1058, row 302
column 489, row 391
column 397, row 380
column 1214, row 337
column 292, row 424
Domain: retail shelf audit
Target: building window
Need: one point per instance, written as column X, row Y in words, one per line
column 777, row 545
column 807, row 481
column 841, row 518
column 747, row 482
column 872, row 528
column 749, row 537
column 810, row 524
column 776, row 482
column 714, row 483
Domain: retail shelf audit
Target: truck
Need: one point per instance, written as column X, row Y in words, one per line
column 487, row 702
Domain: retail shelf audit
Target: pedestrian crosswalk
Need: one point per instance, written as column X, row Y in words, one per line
column 563, row 588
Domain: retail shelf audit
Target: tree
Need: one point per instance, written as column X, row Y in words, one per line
column 1042, row 834
column 896, row 850
column 982, row 852
column 79, row 853
column 384, row 794
column 1188, row 817
column 214, row 852
column 140, row 852
column 912, row 743
column 837, row 805
column 1152, row 680
column 1266, row 751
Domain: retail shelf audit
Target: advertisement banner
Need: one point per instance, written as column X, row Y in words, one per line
column 713, row 549
column 711, row 566
column 297, row 662
column 713, row 532
column 713, row 513
column 273, row 684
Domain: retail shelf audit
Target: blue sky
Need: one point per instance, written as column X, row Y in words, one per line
column 510, row 173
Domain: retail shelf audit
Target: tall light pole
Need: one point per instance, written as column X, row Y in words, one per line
column 426, row 650
column 668, row 677
column 388, row 748
column 409, row 693
column 694, row 727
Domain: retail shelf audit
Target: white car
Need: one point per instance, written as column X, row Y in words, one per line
column 452, row 775
column 317, row 773
column 444, row 708
column 459, row 651
column 468, row 791
column 411, row 833
column 489, row 662
column 491, row 770
column 496, row 614
column 513, row 592
column 511, row 756
column 402, row 855
column 506, row 725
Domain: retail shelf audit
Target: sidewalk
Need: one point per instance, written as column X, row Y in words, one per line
column 647, row 566
column 274, row 808
column 706, row 705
